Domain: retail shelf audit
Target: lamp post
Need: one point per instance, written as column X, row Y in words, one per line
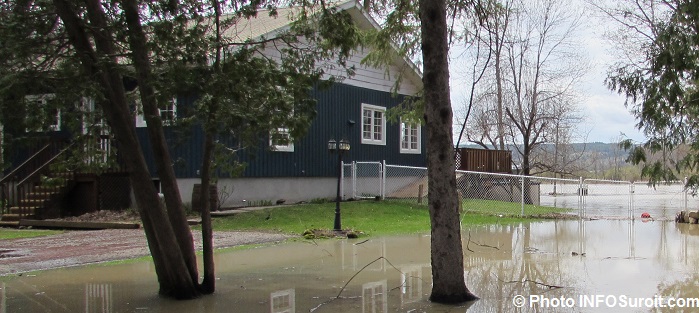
column 341, row 147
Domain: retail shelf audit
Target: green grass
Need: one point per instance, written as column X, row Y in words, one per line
column 370, row 217
column 507, row 208
column 6, row 233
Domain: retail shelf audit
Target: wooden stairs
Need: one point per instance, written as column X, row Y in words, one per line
column 39, row 202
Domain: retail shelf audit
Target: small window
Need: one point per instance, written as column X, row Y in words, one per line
column 280, row 140
column 168, row 114
column 410, row 138
column 45, row 115
column 373, row 125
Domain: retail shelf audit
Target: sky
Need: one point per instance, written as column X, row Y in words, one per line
column 605, row 116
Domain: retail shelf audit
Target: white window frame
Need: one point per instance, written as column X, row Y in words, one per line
column 171, row 107
column 42, row 99
column 277, row 147
column 404, row 126
column 141, row 120
column 372, row 125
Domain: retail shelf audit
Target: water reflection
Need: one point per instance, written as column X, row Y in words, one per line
column 375, row 297
column 411, row 284
column 98, row 298
column 283, row 301
column 619, row 257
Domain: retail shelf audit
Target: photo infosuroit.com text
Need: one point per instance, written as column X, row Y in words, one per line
column 604, row 301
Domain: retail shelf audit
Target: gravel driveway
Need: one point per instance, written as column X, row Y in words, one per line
column 74, row 248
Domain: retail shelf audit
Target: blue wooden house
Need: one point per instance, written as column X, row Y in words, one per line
column 352, row 109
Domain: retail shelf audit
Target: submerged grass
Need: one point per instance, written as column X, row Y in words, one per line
column 372, row 217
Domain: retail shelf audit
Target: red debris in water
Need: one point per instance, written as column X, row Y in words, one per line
column 645, row 215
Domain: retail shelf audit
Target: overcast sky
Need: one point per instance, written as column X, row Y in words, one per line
column 605, row 115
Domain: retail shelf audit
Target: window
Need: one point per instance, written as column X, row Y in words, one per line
column 280, row 140
column 168, row 114
column 45, row 115
column 373, row 125
column 410, row 138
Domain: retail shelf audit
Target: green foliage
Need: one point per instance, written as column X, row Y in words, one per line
column 399, row 37
column 662, row 90
column 242, row 96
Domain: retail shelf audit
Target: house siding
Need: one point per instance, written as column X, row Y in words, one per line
column 336, row 106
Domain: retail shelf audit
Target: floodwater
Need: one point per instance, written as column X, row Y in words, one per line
column 620, row 200
column 601, row 259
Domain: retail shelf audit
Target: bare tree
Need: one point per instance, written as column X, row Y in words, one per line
column 559, row 156
column 486, row 52
column 535, row 70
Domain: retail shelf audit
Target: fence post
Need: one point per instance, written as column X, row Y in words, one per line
column 419, row 193
column 522, row 179
column 632, row 189
column 342, row 180
column 686, row 197
column 354, row 180
column 383, row 180
column 581, row 199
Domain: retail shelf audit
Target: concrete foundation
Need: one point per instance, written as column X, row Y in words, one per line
column 236, row 192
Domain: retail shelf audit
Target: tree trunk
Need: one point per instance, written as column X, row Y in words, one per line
column 208, row 285
column 168, row 181
column 446, row 248
column 100, row 64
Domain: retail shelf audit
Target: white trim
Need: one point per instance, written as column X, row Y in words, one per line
column 140, row 120
column 171, row 107
column 372, row 125
column 282, row 131
column 88, row 108
column 418, row 139
column 134, row 99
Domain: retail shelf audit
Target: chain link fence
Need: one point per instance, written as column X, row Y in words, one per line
column 507, row 194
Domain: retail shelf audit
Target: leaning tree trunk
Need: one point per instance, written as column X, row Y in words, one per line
column 99, row 63
column 446, row 249
column 173, row 202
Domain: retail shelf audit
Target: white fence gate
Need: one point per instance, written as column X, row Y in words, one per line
column 363, row 180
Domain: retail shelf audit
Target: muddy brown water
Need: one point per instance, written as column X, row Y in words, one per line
column 598, row 265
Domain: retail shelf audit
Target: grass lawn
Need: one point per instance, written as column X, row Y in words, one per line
column 370, row 217
column 494, row 207
column 7, row 233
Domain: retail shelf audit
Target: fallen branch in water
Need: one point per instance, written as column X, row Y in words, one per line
column 313, row 241
column 531, row 281
column 350, row 280
column 363, row 268
column 478, row 244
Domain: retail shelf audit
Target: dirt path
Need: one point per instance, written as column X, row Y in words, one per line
column 74, row 248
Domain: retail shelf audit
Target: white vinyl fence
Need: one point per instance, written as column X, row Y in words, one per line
column 507, row 194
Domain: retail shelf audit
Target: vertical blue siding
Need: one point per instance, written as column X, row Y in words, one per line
column 335, row 107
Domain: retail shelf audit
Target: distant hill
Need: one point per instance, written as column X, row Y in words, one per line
column 599, row 147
